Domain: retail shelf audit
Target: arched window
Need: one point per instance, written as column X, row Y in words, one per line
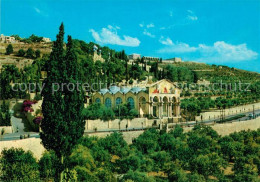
column 108, row 102
column 155, row 99
column 118, row 101
column 131, row 101
column 98, row 100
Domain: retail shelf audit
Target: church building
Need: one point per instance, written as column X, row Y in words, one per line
column 159, row 100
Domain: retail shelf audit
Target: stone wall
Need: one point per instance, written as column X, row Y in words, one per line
column 32, row 144
column 7, row 129
column 114, row 124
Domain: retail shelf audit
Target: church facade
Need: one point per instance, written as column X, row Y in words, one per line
column 159, row 100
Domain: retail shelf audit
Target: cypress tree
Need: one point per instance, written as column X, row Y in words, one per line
column 126, row 70
column 62, row 123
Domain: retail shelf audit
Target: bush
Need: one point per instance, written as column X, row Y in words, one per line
column 27, row 104
column 98, row 111
column 124, row 111
column 21, row 53
column 37, row 120
column 115, row 144
column 9, row 49
column 48, row 165
column 37, row 53
column 81, row 156
column 5, row 116
column 137, row 176
column 105, row 175
column 30, row 53
column 84, row 174
column 38, row 97
column 18, row 165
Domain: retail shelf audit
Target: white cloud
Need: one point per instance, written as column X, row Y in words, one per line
column 109, row 36
column 220, row 51
column 37, row 10
column 151, row 25
column 113, row 28
column 145, row 32
column 110, row 27
column 40, row 12
column 141, row 25
column 191, row 16
column 170, row 13
column 165, row 41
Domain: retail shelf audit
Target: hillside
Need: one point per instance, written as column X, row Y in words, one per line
column 213, row 72
column 45, row 48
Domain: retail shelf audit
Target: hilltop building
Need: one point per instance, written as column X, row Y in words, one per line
column 160, row 99
column 45, row 39
column 172, row 60
column 7, row 39
column 97, row 56
column 134, row 56
column 150, row 58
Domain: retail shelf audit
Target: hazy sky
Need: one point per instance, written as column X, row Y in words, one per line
column 216, row 32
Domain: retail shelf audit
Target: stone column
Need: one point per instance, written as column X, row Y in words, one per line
column 151, row 108
column 173, row 109
column 160, row 110
column 167, row 109
column 146, row 122
column 128, row 123
column 170, row 109
column 108, row 124
column 87, row 124
column 178, row 109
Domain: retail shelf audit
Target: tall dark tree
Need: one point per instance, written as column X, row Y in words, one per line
column 126, row 70
column 30, row 53
column 21, row 53
column 62, row 123
column 9, row 49
column 37, row 53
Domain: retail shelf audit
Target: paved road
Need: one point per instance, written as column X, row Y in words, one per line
column 257, row 112
column 229, row 116
column 18, row 128
column 18, row 123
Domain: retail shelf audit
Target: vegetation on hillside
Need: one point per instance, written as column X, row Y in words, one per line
column 199, row 155
column 116, row 68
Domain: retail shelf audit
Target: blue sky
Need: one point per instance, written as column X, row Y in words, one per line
column 223, row 32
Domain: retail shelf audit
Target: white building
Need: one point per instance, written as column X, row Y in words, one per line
column 45, row 39
column 150, row 58
column 172, row 60
column 134, row 56
column 7, row 39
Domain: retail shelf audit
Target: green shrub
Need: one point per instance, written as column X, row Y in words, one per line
column 18, row 165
